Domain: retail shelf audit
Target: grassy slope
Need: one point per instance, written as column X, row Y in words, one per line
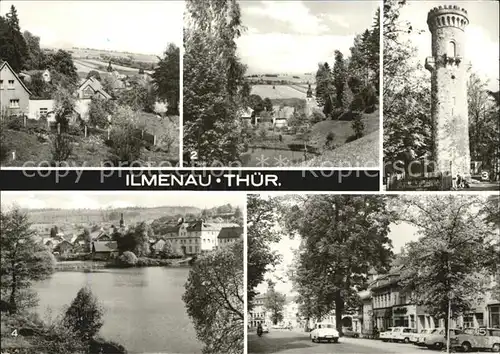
column 363, row 152
column 89, row 152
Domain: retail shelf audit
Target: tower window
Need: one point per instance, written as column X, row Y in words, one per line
column 452, row 50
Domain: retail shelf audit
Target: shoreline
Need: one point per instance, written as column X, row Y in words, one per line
column 97, row 266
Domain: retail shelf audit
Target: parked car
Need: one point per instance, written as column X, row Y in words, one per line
column 349, row 332
column 386, row 335
column 419, row 338
column 478, row 338
column 265, row 328
column 437, row 340
column 324, row 331
column 401, row 334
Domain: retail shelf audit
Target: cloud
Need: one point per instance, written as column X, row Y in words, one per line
column 337, row 20
column 141, row 27
column 278, row 52
column 294, row 13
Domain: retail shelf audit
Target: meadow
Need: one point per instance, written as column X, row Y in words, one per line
column 279, row 91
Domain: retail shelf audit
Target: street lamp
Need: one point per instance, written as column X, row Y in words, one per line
column 450, row 296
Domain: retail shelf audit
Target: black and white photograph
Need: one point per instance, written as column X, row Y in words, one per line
column 90, row 83
column 281, row 83
column 441, row 95
column 122, row 272
column 373, row 274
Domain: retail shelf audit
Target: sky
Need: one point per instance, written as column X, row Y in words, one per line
column 115, row 199
column 144, row 27
column 482, row 34
column 294, row 36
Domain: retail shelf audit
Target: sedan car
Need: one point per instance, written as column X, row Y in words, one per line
column 324, row 331
column 386, row 335
column 437, row 339
column 419, row 338
column 478, row 338
column 349, row 332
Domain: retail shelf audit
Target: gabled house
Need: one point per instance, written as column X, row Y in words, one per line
column 104, row 250
column 282, row 115
column 14, row 95
column 92, row 88
column 46, row 75
column 63, row 248
column 229, row 235
column 246, row 116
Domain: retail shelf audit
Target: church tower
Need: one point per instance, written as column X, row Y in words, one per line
column 449, row 110
column 309, row 101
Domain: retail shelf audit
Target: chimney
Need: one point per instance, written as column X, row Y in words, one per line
column 121, row 220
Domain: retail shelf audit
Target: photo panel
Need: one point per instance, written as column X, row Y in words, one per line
column 90, row 84
column 340, row 273
column 281, row 84
column 441, row 95
column 122, row 272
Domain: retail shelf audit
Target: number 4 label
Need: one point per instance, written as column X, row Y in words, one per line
column 14, row 333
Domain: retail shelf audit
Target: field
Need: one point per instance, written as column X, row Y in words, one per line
column 81, row 53
column 279, row 92
column 299, row 78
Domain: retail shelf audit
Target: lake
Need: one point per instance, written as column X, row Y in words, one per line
column 143, row 307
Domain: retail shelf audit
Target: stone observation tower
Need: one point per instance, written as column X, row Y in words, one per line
column 450, row 123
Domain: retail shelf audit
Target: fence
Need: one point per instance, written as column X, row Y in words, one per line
column 430, row 181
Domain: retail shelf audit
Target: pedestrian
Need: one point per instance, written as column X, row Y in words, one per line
column 259, row 329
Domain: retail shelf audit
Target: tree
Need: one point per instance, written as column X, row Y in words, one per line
column 23, row 260
column 166, row 78
column 95, row 74
column 343, row 237
column 261, row 217
column 268, row 105
column 358, row 126
column 62, row 63
column 214, row 299
column 126, row 144
column 99, row 111
column 84, row 315
column 325, row 88
column 483, row 124
column 491, row 210
column 64, row 107
column 213, row 82
column 38, row 87
column 407, row 96
column 447, row 266
column 128, row 258
column 339, row 78
column 36, row 58
column 274, row 302
column 13, row 47
column 138, row 98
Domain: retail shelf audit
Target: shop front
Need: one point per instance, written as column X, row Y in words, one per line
column 405, row 316
column 382, row 319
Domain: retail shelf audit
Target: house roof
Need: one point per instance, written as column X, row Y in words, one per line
column 95, row 85
column 283, row 112
column 246, row 112
column 6, row 64
column 105, row 246
column 60, row 244
column 231, row 232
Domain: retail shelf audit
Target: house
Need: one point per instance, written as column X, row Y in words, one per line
column 229, row 235
column 14, row 95
column 246, row 116
column 104, row 250
column 42, row 108
column 63, row 248
column 46, row 76
column 91, row 87
column 158, row 245
column 282, row 115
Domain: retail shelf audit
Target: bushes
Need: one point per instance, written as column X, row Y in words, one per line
column 358, row 126
column 128, row 259
column 62, row 148
column 152, row 262
column 14, row 123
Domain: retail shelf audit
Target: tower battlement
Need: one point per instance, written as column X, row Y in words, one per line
column 447, row 16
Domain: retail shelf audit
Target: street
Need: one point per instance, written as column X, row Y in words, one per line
column 294, row 342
